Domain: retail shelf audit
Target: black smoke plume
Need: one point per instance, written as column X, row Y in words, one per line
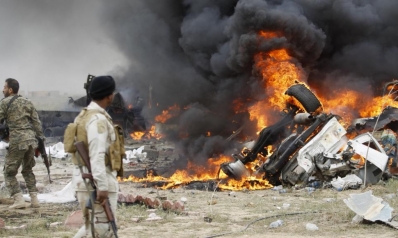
column 199, row 55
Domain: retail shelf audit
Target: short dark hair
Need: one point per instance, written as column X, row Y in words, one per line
column 13, row 84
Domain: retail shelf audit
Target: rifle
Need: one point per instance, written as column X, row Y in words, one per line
column 42, row 150
column 4, row 132
column 81, row 149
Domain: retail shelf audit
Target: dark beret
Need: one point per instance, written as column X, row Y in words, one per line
column 102, row 86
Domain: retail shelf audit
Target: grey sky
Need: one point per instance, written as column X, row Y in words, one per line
column 54, row 44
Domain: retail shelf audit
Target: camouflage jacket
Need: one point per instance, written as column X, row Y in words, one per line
column 23, row 121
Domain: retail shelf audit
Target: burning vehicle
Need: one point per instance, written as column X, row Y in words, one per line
column 128, row 116
column 310, row 145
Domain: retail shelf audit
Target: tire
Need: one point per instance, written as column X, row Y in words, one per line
column 309, row 101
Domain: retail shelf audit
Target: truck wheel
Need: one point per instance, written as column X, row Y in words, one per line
column 309, row 101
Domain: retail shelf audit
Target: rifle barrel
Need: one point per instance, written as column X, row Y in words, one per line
column 43, row 152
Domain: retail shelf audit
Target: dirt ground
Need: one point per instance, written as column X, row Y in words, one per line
column 234, row 214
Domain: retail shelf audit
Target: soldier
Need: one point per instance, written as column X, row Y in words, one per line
column 24, row 125
column 94, row 127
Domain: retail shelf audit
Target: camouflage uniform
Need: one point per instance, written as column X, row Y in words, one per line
column 24, row 124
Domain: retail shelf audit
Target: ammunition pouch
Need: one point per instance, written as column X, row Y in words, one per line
column 69, row 138
column 117, row 152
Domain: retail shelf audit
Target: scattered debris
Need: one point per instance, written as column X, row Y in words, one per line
column 283, row 191
column 15, row 227
column 137, row 154
column 329, row 199
column 183, row 199
column 212, row 202
column 276, row 224
column 369, row 207
column 208, row 219
column 349, row 181
column 153, row 217
column 277, row 188
column 67, row 194
column 311, row 227
column 55, row 224
column 136, row 219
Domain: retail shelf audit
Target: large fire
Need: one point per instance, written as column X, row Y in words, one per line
column 209, row 172
column 278, row 71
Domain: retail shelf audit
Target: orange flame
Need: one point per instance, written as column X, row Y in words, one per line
column 193, row 172
column 167, row 114
column 347, row 103
column 208, row 172
column 250, row 183
column 279, row 73
column 137, row 135
column 151, row 134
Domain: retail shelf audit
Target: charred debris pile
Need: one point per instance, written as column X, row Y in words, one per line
column 313, row 148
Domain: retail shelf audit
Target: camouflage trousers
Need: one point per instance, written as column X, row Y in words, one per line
column 14, row 159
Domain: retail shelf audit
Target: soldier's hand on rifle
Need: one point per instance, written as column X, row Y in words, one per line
column 102, row 196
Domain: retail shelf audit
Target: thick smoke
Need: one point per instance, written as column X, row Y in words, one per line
column 199, row 55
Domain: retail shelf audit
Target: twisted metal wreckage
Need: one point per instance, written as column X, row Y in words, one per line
column 314, row 146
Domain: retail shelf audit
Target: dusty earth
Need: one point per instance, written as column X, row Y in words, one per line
column 233, row 214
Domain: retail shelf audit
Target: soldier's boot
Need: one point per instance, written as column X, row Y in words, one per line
column 19, row 202
column 34, row 202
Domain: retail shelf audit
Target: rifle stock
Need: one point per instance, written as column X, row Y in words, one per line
column 81, row 149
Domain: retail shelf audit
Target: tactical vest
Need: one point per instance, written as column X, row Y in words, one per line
column 77, row 132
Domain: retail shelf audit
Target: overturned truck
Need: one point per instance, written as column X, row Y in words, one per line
column 310, row 145
column 127, row 116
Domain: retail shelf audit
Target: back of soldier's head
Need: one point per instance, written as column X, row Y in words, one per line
column 13, row 84
column 101, row 87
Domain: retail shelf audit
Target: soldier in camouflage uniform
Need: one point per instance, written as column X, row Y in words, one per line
column 24, row 125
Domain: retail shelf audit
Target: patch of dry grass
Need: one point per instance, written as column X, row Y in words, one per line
column 231, row 215
column 36, row 222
